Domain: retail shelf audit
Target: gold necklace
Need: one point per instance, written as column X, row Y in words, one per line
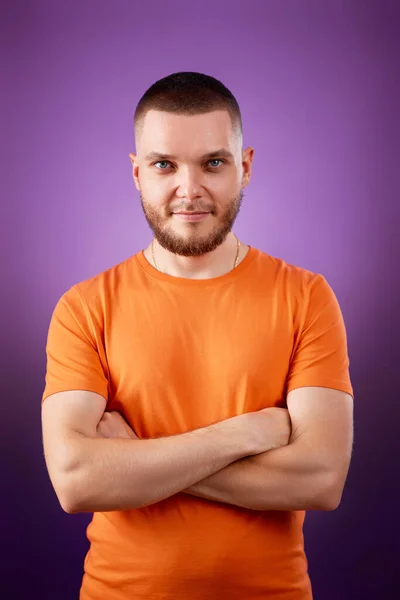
column 234, row 266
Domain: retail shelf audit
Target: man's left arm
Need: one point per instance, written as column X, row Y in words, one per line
column 308, row 473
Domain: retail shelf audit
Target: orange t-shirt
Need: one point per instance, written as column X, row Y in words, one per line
column 172, row 355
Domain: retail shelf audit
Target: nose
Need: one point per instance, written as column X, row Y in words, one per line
column 189, row 183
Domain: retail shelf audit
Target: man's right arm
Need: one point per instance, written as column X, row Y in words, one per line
column 100, row 474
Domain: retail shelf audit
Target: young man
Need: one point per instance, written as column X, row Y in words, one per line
column 197, row 395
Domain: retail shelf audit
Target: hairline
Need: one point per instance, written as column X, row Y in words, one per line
column 235, row 121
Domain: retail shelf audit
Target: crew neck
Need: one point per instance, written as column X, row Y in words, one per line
column 197, row 283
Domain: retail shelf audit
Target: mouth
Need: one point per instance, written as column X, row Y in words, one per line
column 192, row 216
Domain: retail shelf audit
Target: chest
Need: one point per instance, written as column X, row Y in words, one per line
column 177, row 363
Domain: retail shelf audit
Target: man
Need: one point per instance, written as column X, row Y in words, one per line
column 198, row 397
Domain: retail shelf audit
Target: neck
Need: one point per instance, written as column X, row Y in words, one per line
column 212, row 264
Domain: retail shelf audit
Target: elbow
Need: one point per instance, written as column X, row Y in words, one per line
column 64, row 496
column 68, row 498
column 328, row 503
column 68, row 489
column 68, row 476
column 330, row 495
column 76, row 496
column 73, row 491
column 67, row 506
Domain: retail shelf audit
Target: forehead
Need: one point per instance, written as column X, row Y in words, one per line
column 186, row 134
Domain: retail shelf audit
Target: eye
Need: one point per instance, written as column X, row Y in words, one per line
column 162, row 162
column 213, row 160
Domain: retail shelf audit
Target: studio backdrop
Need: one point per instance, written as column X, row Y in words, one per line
column 316, row 84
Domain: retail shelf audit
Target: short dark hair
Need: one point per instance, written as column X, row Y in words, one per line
column 188, row 93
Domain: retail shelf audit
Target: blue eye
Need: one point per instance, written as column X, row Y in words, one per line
column 166, row 163
column 215, row 160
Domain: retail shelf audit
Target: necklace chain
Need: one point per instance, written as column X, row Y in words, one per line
column 236, row 258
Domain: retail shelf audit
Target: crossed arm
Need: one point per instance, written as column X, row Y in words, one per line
column 308, row 473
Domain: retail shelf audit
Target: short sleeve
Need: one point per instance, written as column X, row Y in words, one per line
column 73, row 361
column 321, row 356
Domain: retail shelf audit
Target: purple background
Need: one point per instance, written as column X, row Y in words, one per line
column 316, row 85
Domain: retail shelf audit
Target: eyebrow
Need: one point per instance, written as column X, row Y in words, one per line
column 160, row 156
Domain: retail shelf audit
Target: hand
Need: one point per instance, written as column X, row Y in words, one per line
column 266, row 429
column 113, row 425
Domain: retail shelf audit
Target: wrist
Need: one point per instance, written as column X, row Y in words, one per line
column 236, row 433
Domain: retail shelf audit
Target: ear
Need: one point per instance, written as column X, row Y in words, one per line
column 135, row 169
column 247, row 161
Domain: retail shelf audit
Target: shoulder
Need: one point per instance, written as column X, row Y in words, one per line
column 100, row 289
column 285, row 275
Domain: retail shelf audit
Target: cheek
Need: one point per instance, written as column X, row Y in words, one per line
column 154, row 191
column 224, row 190
column 156, row 201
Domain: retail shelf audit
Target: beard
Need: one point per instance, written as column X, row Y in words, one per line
column 194, row 244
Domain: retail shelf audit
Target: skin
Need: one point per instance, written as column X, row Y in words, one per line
column 190, row 182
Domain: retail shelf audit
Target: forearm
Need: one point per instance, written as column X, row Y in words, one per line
column 121, row 474
column 286, row 478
